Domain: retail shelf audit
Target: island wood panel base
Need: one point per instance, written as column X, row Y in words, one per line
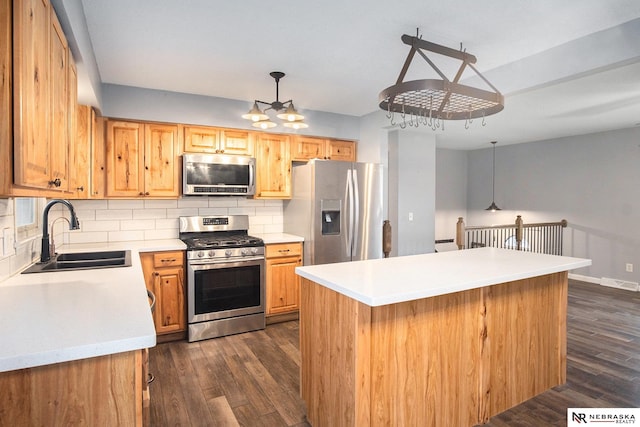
column 450, row 360
column 99, row 391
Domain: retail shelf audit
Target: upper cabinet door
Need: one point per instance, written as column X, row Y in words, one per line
column 162, row 168
column 235, row 141
column 31, row 93
column 273, row 167
column 341, row 150
column 305, row 148
column 59, row 140
column 125, row 159
column 199, row 139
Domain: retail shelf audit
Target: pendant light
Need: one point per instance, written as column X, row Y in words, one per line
column 286, row 111
column 493, row 207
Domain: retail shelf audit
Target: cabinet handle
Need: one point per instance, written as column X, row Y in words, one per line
column 284, row 250
column 156, row 273
column 56, row 182
column 81, row 188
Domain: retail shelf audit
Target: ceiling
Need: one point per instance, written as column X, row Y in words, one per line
column 338, row 55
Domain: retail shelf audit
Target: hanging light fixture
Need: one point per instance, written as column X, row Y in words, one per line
column 493, row 207
column 431, row 101
column 286, row 110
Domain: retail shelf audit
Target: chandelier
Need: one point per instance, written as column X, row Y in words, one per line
column 286, row 111
column 431, row 101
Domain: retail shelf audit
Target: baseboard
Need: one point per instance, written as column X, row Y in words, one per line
column 608, row 282
column 588, row 279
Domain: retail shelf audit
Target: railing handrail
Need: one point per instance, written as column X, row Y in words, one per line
column 518, row 226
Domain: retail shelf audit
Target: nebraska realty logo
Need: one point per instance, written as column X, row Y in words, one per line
column 602, row 416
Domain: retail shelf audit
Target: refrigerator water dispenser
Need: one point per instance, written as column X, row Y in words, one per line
column 330, row 217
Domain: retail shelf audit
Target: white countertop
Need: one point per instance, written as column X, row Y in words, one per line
column 61, row 316
column 392, row 280
column 272, row 238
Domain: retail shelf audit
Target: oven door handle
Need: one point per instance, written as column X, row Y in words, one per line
column 224, row 261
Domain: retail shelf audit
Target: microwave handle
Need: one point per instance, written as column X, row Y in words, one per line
column 252, row 177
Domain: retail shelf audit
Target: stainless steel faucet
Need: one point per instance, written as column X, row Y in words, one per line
column 74, row 224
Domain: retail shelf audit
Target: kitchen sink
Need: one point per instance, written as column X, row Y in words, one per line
column 83, row 261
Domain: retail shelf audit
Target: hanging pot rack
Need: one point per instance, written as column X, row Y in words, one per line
column 428, row 100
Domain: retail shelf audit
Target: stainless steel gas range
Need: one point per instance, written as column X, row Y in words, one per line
column 225, row 276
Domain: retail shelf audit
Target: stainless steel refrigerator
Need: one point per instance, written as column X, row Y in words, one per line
column 337, row 208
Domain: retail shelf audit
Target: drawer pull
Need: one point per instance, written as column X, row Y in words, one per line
column 284, row 250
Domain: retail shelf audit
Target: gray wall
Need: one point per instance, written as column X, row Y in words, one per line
column 451, row 193
column 592, row 181
column 412, row 186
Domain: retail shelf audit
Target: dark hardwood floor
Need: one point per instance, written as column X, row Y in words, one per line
column 252, row 379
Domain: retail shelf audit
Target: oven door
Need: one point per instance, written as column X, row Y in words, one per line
column 225, row 289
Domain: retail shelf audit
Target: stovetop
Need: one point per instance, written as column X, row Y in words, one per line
column 220, row 240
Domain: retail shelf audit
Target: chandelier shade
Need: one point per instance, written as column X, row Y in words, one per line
column 286, row 111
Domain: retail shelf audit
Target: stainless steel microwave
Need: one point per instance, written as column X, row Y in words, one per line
column 218, row 175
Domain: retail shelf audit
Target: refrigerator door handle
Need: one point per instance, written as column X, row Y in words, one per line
column 348, row 197
column 356, row 216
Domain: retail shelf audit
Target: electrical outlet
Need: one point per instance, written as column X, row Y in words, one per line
column 629, row 268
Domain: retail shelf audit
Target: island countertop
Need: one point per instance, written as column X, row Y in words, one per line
column 56, row 317
column 391, row 280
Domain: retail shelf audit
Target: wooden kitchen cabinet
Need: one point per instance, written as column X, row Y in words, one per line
column 201, row 139
column 304, row 148
column 6, row 98
column 164, row 276
column 273, row 167
column 282, row 282
column 40, row 97
column 39, row 88
column 142, row 160
column 98, row 391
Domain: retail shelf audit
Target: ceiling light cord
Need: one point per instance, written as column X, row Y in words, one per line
column 493, row 207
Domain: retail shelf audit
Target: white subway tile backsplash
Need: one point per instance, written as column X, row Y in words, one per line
column 87, row 237
column 193, row 202
column 155, row 204
column 126, row 236
column 167, row 224
column 213, row 211
column 175, row 213
column 149, row 213
column 111, row 225
column 136, row 224
column 160, row 234
column 242, row 211
column 114, row 214
column 223, row 202
column 126, row 204
column 125, row 220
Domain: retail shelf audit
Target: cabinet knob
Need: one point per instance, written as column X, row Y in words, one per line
column 156, row 273
column 56, row 182
column 81, row 188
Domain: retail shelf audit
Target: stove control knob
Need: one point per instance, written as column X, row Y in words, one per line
column 244, row 251
column 228, row 252
column 211, row 254
column 200, row 254
column 254, row 251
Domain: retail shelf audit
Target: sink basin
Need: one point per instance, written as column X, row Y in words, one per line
column 83, row 261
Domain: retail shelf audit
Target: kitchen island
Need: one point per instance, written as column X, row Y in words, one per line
column 446, row 339
column 74, row 343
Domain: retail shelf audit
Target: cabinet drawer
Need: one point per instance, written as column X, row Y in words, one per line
column 283, row 249
column 168, row 259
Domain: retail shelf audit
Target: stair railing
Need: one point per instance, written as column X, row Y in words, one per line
column 543, row 237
